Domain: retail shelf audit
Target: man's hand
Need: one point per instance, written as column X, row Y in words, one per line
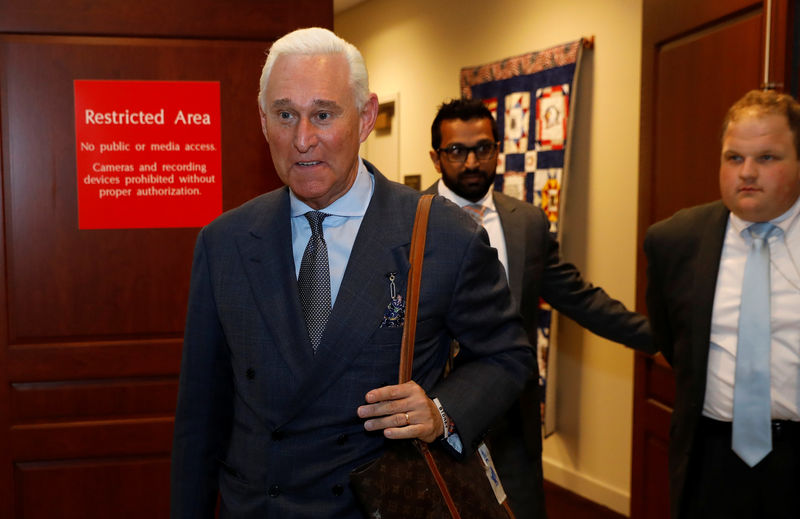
column 402, row 411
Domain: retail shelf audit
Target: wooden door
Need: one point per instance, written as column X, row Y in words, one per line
column 91, row 320
column 698, row 57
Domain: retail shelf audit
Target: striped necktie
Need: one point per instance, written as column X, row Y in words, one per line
column 476, row 211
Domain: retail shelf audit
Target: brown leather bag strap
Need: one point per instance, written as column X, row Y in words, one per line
column 412, row 290
column 437, row 477
column 415, row 256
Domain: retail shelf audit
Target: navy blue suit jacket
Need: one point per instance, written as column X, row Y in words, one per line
column 273, row 427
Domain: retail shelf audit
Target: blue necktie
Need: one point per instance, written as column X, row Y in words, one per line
column 752, row 431
column 314, row 280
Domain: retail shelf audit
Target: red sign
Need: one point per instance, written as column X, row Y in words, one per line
column 148, row 153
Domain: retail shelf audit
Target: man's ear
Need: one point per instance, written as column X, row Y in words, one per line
column 435, row 159
column 368, row 116
column 263, row 117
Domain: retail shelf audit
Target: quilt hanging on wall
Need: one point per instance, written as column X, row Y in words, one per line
column 532, row 98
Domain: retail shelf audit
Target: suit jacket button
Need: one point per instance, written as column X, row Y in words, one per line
column 341, row 439
column 337, row 490
column 251, row 373
column 274, row 491
column 278, row 435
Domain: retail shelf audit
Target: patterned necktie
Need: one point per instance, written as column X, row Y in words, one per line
column 752, row 432
column 314, row 280
column 476, row 211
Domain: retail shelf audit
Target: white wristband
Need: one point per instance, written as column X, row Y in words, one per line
column 445, row 421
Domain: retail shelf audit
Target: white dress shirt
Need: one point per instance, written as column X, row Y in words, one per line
column 491, row 219
column 784, row 320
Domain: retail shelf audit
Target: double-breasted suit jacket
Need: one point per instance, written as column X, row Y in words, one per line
column 274, row 426
column 683, row 255
column 535, row 271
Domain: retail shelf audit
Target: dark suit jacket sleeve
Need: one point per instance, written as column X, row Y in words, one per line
column 495, row 358
column 203, row 416
column 656, row 302
column 683, row 254
column 588, row 305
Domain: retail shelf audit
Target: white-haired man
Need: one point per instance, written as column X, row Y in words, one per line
column 291, row 347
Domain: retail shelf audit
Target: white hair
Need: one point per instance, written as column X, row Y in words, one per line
column 312, row 41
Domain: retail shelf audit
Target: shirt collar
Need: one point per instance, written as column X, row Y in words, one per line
column 352, row 203
column 487, row 200
column 784, row 221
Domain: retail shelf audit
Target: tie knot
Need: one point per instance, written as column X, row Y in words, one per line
column 761, row 231
column 476, row 211
column 315, row 221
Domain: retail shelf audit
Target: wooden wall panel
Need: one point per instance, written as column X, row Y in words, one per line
column 128, row 282
column 670, row 19
column 206, row 19
column 91, row 438
column 657, row 453
column 91, row 321
column 686, row 147
column 660, row 383
column 680, row 110
column 99, row 488
column 697, row 59
column 92, row 399
column 93, row 360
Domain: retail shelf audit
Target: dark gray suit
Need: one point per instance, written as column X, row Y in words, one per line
column 275, row 427
column 683, row 254
column 535, row 270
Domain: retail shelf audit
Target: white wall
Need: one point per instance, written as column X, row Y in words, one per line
column 415, row 49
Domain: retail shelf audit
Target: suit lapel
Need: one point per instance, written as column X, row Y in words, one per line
column 268, row 262
column 706, row 267
column 514, row 231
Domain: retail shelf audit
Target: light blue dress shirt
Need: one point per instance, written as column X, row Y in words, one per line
column 339, row 229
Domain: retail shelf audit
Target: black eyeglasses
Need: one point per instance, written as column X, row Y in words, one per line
column 458, row 153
